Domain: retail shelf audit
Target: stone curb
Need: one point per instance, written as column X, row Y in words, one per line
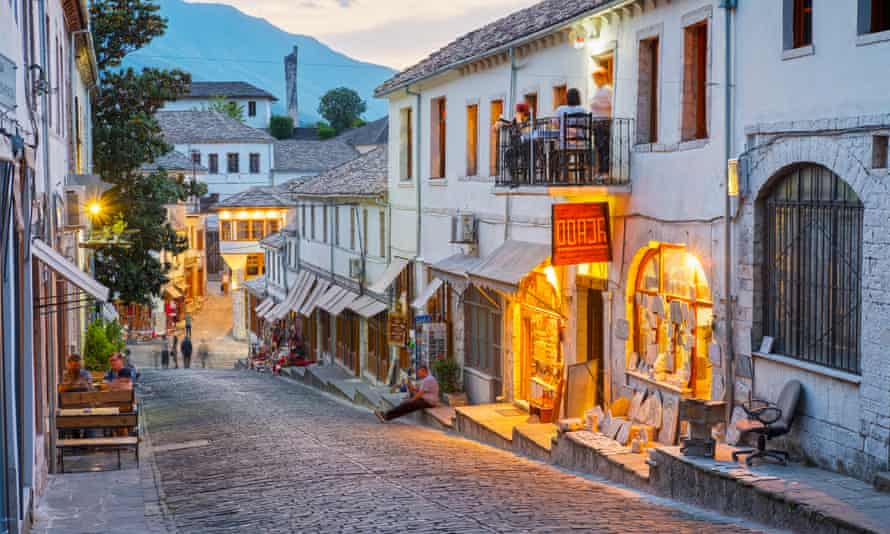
column 157, row 515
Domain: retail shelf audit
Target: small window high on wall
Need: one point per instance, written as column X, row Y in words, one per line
column 437, row 138
column 874, row 16
column 695, row 82
column 797, row 24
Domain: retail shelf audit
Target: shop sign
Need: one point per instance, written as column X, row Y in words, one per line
column 581, row 233
column 397, row 326
column 7, row 82
column 423, row 319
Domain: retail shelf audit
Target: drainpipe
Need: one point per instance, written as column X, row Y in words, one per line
column 729, row 6
column 508, row 199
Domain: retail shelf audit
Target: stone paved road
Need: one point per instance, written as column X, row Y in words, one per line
column 284, row 458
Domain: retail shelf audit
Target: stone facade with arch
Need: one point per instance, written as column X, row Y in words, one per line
column 844, row 420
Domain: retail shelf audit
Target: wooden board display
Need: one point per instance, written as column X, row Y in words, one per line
column 397, row 328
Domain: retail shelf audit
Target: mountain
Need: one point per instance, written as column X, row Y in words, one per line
column 220, row 43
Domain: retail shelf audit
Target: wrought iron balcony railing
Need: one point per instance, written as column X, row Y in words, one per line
column 571, row 150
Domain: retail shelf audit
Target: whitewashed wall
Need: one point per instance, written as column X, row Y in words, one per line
column 260, row 121
column 226, row 184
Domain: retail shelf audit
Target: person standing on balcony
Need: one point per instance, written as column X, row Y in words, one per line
column 601, row 107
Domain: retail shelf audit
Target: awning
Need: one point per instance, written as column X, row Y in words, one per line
column 68, row 270
column 427, row 293
column 257, row 286
column 331, row 297
column 308, row 307
column 304, row 289
column 389, row 276
column 264, row 306
column 348, row 298
column 508, row 265
column 172, row 293
column 454, row 269
column 368, row 307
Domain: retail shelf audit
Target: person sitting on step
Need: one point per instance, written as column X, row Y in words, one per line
column 424, row 395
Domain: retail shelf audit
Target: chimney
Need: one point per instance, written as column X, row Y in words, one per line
column 290, row 85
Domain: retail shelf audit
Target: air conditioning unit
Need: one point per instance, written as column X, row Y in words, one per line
column 464, row 229
column 355, row 268
column 75, row 210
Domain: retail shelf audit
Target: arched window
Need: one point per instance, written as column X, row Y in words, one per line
column 813, row 266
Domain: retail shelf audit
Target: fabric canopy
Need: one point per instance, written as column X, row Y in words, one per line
column 427, row 293
column 308, row 307
column 337, row 307
column 508, row 265
column 109, row 312
column 389, row 275
column 454, row 269
column 264, row 306
column 331, row 297
column 368, row 308
column 304, row 287
column 68, row 270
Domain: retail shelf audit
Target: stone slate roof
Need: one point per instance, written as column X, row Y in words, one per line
column 539, row 17
column 227, row 90
column 172, row 161
column 364, row 176
column 311, row 156
column 275, row 240
column 373, row 133
column 261, row 196
column 182, row 127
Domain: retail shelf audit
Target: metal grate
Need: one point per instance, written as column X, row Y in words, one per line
column 813, row 236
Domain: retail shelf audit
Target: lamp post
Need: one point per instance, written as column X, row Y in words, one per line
column 94, row 208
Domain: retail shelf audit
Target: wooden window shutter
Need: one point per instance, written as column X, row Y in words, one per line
column 405, row 145
column 864, row 17
column 647, row 95
column 472, row 140
column 788, row 24
column 435, row 155
column 692, row 73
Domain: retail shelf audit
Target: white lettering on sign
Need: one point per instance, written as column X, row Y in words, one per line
column 581, row 232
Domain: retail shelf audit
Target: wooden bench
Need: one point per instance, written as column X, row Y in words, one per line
column 115, row 444
column 114, row 410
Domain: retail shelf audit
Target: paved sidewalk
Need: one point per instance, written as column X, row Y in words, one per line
column 110, row 502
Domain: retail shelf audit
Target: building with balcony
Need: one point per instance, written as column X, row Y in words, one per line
column 245, row 220
column 578, row 244
column 256, row 103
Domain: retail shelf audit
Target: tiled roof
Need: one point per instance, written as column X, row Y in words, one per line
column 373, row 133
column 523, row 23
column 275, row 240
column 181, row 127
column 172, row 161
column 311, row 156
column 262, row 196
column 363, row 176
column 227, row 90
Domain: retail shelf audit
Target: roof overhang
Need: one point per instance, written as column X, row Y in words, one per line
column 601, row 9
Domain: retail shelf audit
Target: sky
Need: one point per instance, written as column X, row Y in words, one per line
column 396, row 33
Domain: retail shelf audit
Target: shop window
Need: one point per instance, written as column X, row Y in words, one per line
column 647, row 92
column 437, row 138
column 483, row 332
column 695, row 74
column 496, row 111
column 672, row 321
column 798, row 23
column 227, row 231
column 243, row 231
column 813, row 268
column 256, row 229
column 254, row 264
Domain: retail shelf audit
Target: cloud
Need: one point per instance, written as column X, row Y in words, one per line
column 391, row 32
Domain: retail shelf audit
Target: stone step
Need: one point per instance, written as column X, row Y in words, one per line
column 370, row 396
column 347, row 388
column 882, row 481
column 441, row 417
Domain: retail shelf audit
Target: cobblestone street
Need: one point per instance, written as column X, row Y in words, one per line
column 284, row 458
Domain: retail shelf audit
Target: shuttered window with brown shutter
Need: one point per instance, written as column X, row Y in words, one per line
column 695, row 62
column 437, row 138
column 472, row 140
column 406, row 145
column 647, row 92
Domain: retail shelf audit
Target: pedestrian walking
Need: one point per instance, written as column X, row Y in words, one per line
column 203, row 353
column 186, row 349
column 173, row 350
column 188, row 324
column 224, row 282
column 165, row 356
column 425, row 395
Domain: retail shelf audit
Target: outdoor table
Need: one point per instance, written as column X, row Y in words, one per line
column 73, row 412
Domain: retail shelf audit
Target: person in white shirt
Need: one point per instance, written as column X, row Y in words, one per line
column 568, row 134
column 601, row 107
column 424, row 395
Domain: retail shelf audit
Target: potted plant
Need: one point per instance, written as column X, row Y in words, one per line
column 447, row 373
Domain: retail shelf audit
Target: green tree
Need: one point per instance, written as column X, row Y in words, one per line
column 281, row 126
column 341, row 107
column 96, row 347
column 325, row 131
column 226, row 107
column 125, row 136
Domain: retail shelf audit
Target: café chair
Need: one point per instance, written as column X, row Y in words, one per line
column 767, row 421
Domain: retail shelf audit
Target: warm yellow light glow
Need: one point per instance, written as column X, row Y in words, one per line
column 258, row 214
column 550, row 273
column 95, row 208
column 243, row 215
column 732, row 171
column 225, row 215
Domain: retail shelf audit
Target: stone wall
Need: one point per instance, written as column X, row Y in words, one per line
column 844, row 421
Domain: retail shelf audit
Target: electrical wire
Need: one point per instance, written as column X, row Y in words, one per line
column 246, row 60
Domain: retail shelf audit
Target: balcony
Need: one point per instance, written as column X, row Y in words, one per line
column 573, row 151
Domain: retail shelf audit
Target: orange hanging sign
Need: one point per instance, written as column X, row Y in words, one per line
column 581, row 233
